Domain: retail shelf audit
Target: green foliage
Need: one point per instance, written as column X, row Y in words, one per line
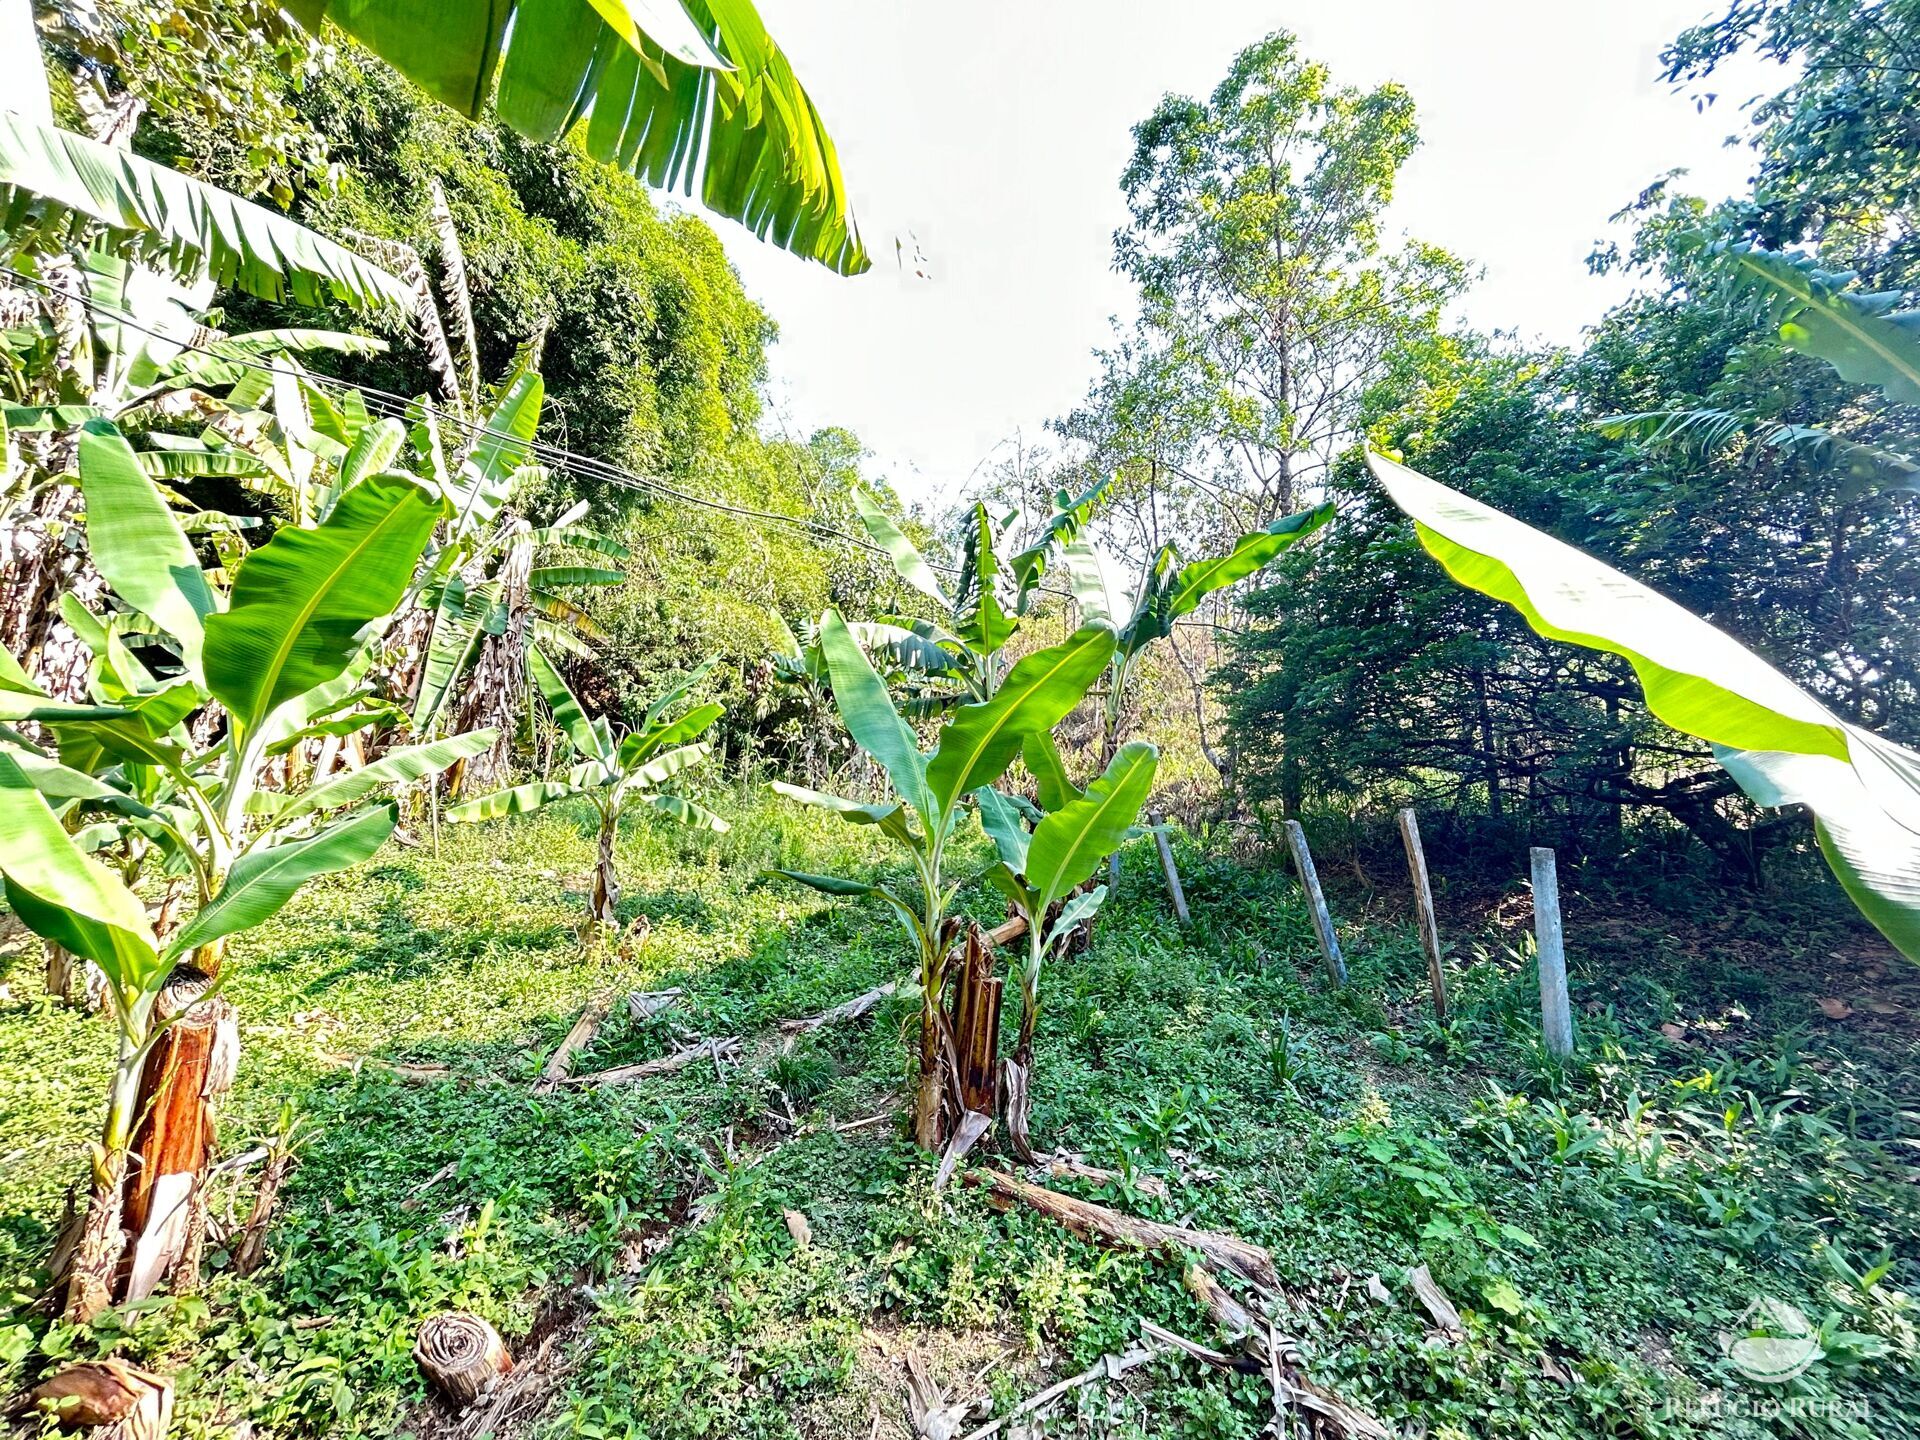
column 1779, row 744
column 1665, row 1184
column 51, row 178
column 670, row 92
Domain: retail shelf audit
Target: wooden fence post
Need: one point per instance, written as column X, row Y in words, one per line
column 1316, row 903
column 1423, row 910
column 1166, row 864
column 1556, row 1013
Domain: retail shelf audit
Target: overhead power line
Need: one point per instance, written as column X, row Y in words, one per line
column 388, row 405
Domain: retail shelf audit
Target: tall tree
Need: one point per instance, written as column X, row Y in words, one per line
column 1838, row 144
column 1266, row 288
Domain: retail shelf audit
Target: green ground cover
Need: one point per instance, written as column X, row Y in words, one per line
column 1600, row 1226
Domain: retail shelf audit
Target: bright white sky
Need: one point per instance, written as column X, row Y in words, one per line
column 996, row 132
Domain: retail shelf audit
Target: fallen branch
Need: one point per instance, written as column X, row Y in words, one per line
column 1278, row 1355
column 643, row 1005
column 1072, row 1167
column 1128, row 1232
column 560, row 1063
column 714, row 1049
column 406, row 1071
column 847, row 1010
column 1108, row 1367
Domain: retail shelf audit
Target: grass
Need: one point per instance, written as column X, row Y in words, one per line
column 1599, row 1225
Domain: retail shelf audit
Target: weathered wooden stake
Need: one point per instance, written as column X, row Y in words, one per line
column 1556, row 1013
column 1166, row 864
column 1423, row 910
column 1317, row 903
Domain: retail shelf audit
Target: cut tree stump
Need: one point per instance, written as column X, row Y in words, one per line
column 461, row 1354
column 134, row 1404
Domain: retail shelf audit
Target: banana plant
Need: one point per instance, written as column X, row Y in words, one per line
column 284, row 655
column 931, row 796
column 963, row 651
column 1047, row 867
column 496, row 585
column 59, row 189
column 614, row 773
column 678, row 92
column 1166, row 593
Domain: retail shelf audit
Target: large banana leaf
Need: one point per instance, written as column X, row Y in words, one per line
column 829, row 884
column 663, row 768
column 409, row 762
column 547, row 576
column 678, row 691
column 372, row 451
column 136, row 543
column 67, row 897
column 61, row 783
column 1777, row 741
column 301, row 600
column 518, row 800
column 485, row 478
column 1039, row 692
column 643, row 745
column 48, row 176
column 565, row 705
column 1051, row 781
column 1867, row 337
column 1096, row 584
column 457, row 618
column 262, row 881
column 674, row 91
column 1068, row 845
column 868, row 713
column 1004, row 828
column 851, row 811
column 910, row 564
column 1070, row 516
column 1173, row 594
column 695, row 817
column 982, row 624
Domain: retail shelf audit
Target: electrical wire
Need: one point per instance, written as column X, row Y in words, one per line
column 388, row 405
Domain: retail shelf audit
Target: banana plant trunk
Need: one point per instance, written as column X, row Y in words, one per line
column 36, row 569
column 145, row 1218
column 496, row 686
column 75, row 979
column 189, row 1068
column 606, row 886
column 1018, row 1076
column 936, row 1041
